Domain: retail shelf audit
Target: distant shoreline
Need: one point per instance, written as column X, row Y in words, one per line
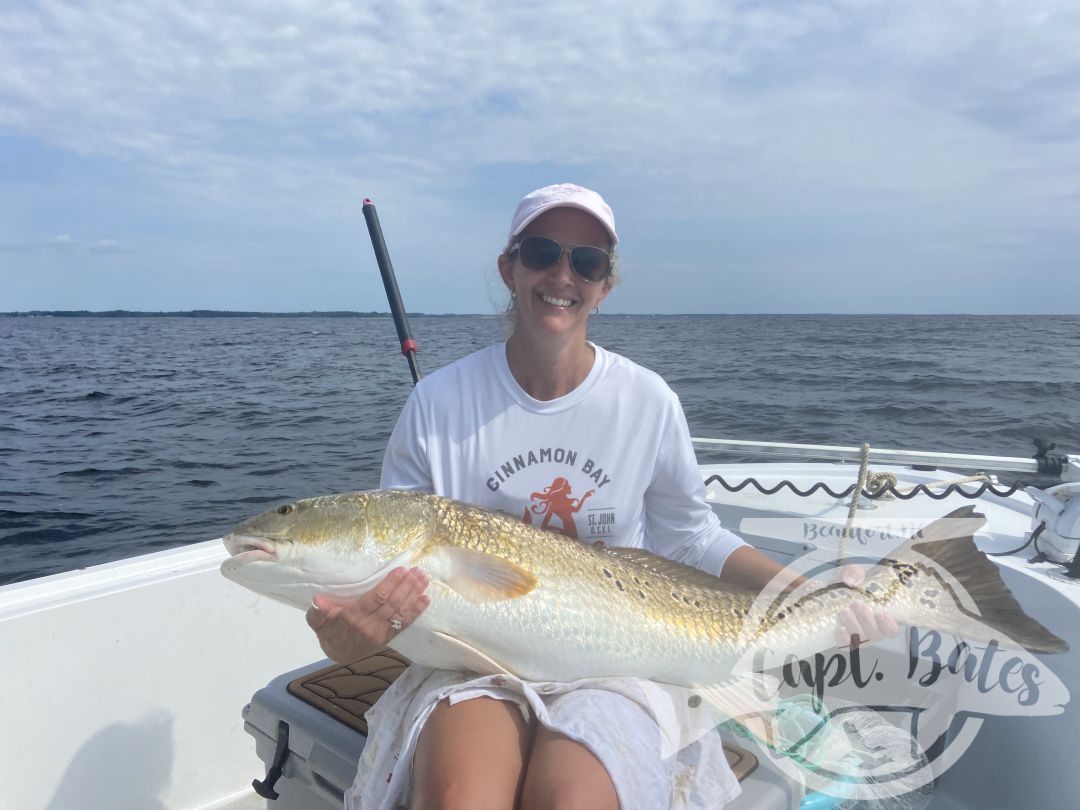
column 191, row 313
column 228, row 313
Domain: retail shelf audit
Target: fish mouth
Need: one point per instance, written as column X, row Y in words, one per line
column 248, row 548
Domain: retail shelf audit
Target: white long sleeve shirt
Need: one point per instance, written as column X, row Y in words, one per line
column 611, row 460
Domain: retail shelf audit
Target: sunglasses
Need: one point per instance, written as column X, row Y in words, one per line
column 540, row 253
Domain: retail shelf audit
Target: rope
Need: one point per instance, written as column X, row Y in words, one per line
column 883, row 484
column 878, row 485
column 864, row 468
column 951, row 482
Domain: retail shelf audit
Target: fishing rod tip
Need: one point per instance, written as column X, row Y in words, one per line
column 367, row 201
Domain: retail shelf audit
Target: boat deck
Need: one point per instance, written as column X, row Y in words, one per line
column 122, row 685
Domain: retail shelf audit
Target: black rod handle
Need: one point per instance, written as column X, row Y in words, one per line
column 393, row 296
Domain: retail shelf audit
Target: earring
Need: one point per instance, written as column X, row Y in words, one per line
column 596, row 310
column 513, row 295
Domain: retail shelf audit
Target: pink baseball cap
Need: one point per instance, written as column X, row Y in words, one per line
column 562, row 195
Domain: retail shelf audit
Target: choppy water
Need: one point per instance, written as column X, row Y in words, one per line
column 123, row 436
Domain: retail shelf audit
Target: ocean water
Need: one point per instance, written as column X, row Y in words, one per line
column 123, row 436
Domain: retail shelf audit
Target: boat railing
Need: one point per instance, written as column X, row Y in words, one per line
column 1065, row 467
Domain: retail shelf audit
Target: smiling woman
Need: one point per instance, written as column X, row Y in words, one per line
column 448, row 737
column 557, row 268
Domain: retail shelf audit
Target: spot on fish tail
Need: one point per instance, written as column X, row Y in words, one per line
column 930, row 603
column 905, row 572
column 607, row 573
column 641, row 593
column 697, row 603
column 619, row 585
column 931, row 592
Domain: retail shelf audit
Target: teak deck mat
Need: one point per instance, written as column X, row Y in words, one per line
column 346, row 691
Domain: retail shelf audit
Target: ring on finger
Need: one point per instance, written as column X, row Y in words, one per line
column 396, row 625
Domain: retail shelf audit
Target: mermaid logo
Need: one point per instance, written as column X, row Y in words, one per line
column 555, row 501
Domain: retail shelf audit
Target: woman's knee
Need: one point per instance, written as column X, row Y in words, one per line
column 471, row 755
column 565, row 797
column 563, row 774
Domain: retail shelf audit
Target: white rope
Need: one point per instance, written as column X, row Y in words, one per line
column 864, row 468
column 874, row 483
column 965, row 480
column 877, row 482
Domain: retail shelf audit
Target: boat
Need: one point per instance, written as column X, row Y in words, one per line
column 153, row 682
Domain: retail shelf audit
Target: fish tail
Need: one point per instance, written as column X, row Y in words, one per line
column 960, row 569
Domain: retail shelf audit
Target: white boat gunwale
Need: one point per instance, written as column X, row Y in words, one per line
column 959, row 461
column 64, row 637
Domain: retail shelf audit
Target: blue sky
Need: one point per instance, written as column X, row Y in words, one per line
column 845, row 156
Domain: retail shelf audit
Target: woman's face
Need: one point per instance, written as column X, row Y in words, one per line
column 556, row 301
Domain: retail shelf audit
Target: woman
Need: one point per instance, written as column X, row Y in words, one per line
column 570, row 437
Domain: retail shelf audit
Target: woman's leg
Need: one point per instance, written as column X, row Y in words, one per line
column 563, row 774
column 471, row 755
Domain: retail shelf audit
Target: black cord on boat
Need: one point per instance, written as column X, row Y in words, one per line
column 919, row 489
column 393, row 296
column 1072, row 570
column 1039, row 556
column 1032, row 538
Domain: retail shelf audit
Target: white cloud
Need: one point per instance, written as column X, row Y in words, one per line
column 196, row 88
column 961, row 112
column 65, row 242
column 107, row 246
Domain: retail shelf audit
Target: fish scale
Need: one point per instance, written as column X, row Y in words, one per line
column 588, row 596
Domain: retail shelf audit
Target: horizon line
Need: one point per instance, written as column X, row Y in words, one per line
column 236, row 313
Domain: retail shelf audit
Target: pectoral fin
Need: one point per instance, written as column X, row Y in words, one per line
column 443, row 651
column 468, row 657
column 479, row 577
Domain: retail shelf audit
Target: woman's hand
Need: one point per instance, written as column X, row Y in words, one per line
column 859, row 623
column 353, row 629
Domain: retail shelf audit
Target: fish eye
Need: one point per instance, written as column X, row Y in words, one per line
column 286, row 509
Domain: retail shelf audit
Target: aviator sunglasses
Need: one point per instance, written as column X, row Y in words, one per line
column 540, row 253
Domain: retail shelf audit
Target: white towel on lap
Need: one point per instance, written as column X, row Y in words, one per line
column 611, row 716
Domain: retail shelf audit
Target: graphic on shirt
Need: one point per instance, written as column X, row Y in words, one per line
column 555, row 501
column 600, row 523
column 546, row 455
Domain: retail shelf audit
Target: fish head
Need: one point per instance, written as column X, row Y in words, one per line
column 340, row 545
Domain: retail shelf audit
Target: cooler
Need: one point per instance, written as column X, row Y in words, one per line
column 309, row 724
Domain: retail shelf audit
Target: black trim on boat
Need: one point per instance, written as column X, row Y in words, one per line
column 878, row 492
